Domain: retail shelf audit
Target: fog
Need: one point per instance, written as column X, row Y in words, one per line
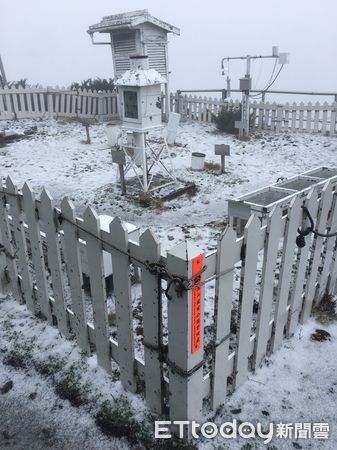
column 47, row 43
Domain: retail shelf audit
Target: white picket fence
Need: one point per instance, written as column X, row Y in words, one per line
column 19, row 103
column 188, row 355
column 314, row 118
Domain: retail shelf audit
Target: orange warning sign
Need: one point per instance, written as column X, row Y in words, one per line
column 197, row 265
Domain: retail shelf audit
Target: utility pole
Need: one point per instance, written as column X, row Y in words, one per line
column 3, row 79
column 246, row 84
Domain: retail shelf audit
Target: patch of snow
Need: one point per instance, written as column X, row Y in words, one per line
column 140, row 77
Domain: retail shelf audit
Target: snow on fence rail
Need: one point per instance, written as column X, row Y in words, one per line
column 19, row 103
column 314, row 118
column 184, row 358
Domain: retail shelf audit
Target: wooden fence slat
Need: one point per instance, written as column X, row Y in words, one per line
column 246, row 299
column 308, row 117
column 325, row 117
column 329, row 249
column 34, row 233
column 316, row 117
column 8, row 99
column 118, row 238
column 152, row 327
column 97, row 287
column 3, row 112
column 226, row 253
column 62, row 104
column 22, row 102
column 35, row 103
column 57, row 103
column 73, row 264
column 293, row 117
column 3, row 264
column 68, row 104
column 332, row 286
column 29, row 104
column 279, row 118
column 286, row 116
column 301, row 266
column 15, row 104
column 20, row 244
column 47, row 215
column 274, row 230
column 333, row 120
column 301, row 117
column 260, row 118
column 42, row 105
column 289, row 246
column 6, row 240
column 312, row 275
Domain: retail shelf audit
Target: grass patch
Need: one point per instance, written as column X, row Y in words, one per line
column 244, row 138
column 71, row 388
column 16, row 359
column 116, row 418
column 51, row 366
column 20, row 356
column 146, row 200
column 325, row 310
column 213, row 168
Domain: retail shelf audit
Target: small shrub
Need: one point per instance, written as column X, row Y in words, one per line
column 18, row 83
column 51, row 366
column 226, row 118
column 71, row 388
column 116, row 418
column 16, row 359
column 212, row 168
column 325, row 310
column 20, row 356
column 96, row 84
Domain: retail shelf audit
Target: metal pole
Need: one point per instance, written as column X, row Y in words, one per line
column 122, row 177
column 244, row 129
column 222, row 163
column 246, row 119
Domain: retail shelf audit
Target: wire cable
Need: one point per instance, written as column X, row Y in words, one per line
column 300, row 241
column 270, row 84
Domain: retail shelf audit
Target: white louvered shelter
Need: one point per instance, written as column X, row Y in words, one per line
column 136, row 33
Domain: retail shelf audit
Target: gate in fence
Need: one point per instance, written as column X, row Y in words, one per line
column 207, row 319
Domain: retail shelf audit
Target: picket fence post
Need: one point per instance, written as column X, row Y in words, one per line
column 20, row 246
column 8, row 255
column 100, row 106
column 185, row 334
column 50, row 104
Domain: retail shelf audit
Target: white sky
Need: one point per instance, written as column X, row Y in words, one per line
column 46, row 41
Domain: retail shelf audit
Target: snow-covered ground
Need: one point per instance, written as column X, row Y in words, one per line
column 298, row 385
column 57, row 158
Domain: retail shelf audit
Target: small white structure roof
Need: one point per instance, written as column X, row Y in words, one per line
column 140, row 77
column 130, row 20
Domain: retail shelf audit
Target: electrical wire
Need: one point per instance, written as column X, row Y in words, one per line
column 270, row 84
column 300, row 240
column 259, row 74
